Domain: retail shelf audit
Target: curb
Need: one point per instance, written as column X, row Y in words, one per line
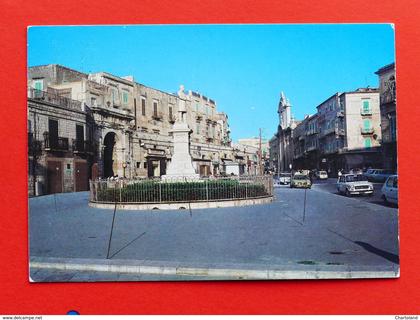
column 277, row 273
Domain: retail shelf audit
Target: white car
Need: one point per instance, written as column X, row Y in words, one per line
column 284, row 178
column 322, row 175
column 351, row 184
column 390, row 190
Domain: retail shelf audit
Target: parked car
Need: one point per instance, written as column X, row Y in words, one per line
column 300, row 180
column 378, row 175
column 351, row 184
column 322, row 175
column 284, row 178
column 390, row 190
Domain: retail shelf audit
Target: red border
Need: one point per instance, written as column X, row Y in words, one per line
column 283, row 297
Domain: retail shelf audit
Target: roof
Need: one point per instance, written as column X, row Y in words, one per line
column 386, row 68
column 334, row 95
column 362, row 90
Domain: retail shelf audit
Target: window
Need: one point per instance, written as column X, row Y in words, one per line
column 393, row 128
column 114, row 95
column 198, row 128
column 366, row 124
column 138, row 165
column 155, row 131
column 143, row 129
column 366, row 106
column 125, row 97
column 170, row 112
column 368, row 143
column 39, row 85
column 93, row 102
column 155, row 108
column 390, row 182
column 143, row 106
column 53, row 132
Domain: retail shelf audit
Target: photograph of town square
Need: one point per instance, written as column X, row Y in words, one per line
column 212, row 152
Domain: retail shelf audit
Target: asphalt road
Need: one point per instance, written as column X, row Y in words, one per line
column 300, row 230
column 330, row 186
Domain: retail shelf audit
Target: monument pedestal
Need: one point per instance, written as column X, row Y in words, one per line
column 181, row 165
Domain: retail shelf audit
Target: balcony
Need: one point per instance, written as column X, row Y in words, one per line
column 340, row 132
column 364, row 130
column 83, row 147
column 335, row 130
column 171, row 119
column 329, row 131
column 311, row 132
column 34, row 146
column 157, row 115
column 52, row 143
column 55, row 99
column 366, row 112
column 199, row 117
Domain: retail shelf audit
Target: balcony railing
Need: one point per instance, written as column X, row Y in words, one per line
column 311, row 148
column 366, row 112
column 34, row 146
column 311, row 132
column 80, row 146
column 55, row 143
column 364, row 130
column 335, row 130
column 171, row 119
column 157, row 115
column 54, row 98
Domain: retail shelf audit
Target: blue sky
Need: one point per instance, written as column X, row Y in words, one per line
column 242, row 67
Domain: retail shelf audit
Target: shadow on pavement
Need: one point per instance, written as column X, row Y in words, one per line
column 384, row 254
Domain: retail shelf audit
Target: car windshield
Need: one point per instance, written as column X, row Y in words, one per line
column 323, row 172
column 300, row 177
column 284, row 175
column 353, row 178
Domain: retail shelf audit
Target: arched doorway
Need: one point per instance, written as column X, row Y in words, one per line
column 109, row 154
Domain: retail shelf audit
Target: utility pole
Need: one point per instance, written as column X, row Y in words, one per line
column 260, row 156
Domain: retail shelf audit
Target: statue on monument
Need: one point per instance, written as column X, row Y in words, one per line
column 182, row 108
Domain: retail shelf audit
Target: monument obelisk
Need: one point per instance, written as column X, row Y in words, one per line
column 181, row 164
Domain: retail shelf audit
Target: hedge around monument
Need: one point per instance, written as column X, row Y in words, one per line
column 155, row 191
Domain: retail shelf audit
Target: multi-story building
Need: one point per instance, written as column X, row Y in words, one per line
column 305, row 143
column 387, row 93
column 60, row 142
column 254, row 142
column 311, row 142
column 349, row 130
column 130, row 124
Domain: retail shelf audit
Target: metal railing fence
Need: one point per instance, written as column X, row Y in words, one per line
column 175, row 190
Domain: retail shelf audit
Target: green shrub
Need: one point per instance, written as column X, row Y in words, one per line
column 155, row 191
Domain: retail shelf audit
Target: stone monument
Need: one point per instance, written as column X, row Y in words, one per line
column 181, row 166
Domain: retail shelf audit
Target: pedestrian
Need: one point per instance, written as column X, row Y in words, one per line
column 339, row 173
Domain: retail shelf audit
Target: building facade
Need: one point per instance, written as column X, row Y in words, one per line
column 60, row 144
column 387, row 92
column 344, row 134
column 129, row 125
